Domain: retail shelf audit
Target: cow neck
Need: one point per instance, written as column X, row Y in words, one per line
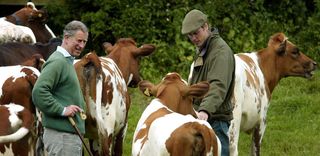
column 177, row 104
column 268, row 65
column 122, row 64
column 40, row 31
column 14, row 19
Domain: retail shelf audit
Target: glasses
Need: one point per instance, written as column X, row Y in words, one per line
column 195, row 33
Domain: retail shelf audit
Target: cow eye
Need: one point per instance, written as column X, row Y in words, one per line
column 296, row 52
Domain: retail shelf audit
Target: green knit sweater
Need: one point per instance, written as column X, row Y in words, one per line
column 58, row 87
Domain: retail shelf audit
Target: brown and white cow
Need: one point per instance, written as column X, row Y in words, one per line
column 26, row 22
column 104, row 82
column 257, row 75
column 168, row 125
column 16, row 84
column 10, row 32
column 16, row 122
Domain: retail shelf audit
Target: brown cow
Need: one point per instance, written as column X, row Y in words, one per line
column 35, row 19
column 168, row 125
column 104, row 84
column 16, row 53
column 257, row 74
column 16, row 85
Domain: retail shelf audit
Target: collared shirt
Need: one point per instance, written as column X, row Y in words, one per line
column 200, row 52
column 65, row 53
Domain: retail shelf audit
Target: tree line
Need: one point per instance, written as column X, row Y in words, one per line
column 246, row 26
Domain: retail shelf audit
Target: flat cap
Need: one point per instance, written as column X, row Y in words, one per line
column 193, row 21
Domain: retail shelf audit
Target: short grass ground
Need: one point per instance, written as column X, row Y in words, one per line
column 293, row 120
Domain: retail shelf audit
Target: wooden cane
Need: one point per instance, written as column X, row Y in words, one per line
column 79, row 134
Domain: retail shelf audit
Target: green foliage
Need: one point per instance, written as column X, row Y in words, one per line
column 245, row 25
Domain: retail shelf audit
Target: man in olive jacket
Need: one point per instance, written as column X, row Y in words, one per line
column 58, row 95
column 213, row 62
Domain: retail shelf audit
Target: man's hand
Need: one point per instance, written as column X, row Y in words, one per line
column 202, row 115
column 72, row 110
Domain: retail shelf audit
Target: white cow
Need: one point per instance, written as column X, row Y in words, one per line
column 10, row 32
column 26, row 25
column 104, row 81
column 168, row 125
column 17, row 126
column 257, row 74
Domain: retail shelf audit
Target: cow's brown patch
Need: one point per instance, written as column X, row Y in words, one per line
column 143, row 133
column 191, row 138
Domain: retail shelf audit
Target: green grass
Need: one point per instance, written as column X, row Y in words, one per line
column 293, row 122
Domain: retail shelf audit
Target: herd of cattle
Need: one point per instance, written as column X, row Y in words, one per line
column 168, row 126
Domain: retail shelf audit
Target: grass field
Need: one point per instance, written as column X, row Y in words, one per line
column 293, row 119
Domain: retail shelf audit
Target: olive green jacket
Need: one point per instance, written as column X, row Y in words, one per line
column 215, row 63
column 58, row 87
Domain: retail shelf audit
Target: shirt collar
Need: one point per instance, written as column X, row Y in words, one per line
column 63, row 51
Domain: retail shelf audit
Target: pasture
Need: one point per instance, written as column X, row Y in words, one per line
column 293, row 119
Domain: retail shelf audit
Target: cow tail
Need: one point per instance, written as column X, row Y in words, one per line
column 92, row 72
column 211, row 140
column 19, row 134
column 27, row 123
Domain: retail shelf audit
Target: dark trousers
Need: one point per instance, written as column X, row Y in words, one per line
column 221, row 129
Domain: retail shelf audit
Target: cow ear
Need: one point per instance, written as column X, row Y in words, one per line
column 31, row 5
column 144, row 50
column 147, row 88
column 281, row 50
column 199, row 90
column 276, row 40
column 107, row 47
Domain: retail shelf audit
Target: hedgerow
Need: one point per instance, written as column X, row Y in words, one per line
column 246, row 25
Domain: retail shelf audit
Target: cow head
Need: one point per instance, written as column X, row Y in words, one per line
column 174, row 92
column 39, row 16
column 126, row 55
column 289, row 59
column 21, row 16
column 35, row 15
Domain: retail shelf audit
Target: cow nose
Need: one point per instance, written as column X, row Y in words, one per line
column 311, row 65
column 315, row 65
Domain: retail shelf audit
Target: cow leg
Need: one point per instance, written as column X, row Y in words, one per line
column 257, row 139
column 118, row 143
column 234, row 130
column 106, row 145
column 255, row 145
column 94, row 147
column 235, row 124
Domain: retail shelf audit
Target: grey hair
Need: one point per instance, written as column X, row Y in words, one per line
column 72, row 27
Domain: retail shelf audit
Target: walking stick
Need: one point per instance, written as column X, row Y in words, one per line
column 79, row 134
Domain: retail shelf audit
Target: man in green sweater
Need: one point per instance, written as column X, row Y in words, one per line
column 213, row 62
column 57, row 94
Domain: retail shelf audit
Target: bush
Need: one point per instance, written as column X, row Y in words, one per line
column 245, row 25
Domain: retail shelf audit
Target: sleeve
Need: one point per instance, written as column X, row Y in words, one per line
column 219, row 76
column 42, row 93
